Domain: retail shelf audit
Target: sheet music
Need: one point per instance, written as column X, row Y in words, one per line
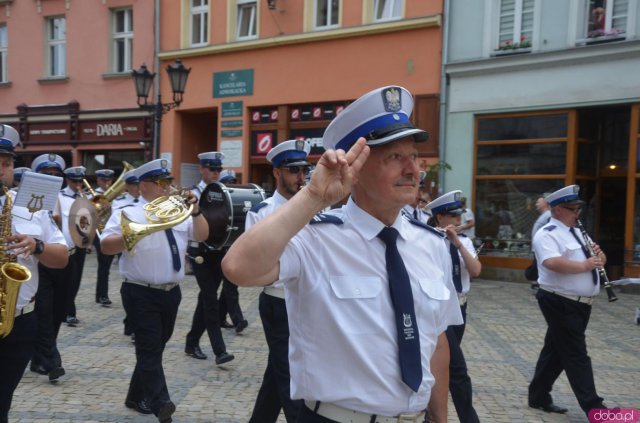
column 38, row 191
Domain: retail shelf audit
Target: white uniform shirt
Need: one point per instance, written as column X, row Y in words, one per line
column 466, row 216
column 464, row 273
column 555, row 240
column 123, row 200
column 343, row 347
column 411, row 212
column 542, row 220
column 273, row 202
column 197, row 190
column 151, row 261
column 42, row 227
column 66, row 198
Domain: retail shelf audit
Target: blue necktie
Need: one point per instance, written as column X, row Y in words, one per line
column 402, row 299
column 174, row 250
column 455, row 261
column 594, row 274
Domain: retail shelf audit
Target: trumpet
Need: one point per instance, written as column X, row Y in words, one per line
column 102, row 202
column 608, row 286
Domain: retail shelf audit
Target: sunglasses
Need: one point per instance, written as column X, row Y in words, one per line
column 294, row 170
column 162, row 182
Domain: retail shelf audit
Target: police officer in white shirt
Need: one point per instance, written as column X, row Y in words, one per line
column 17, row 174
column 104, row 179
column 32, row 241
column 290, row 165
column 446, row 212
column 152, row 275
column 368, row 291
column 132, row 194
column 568, row 284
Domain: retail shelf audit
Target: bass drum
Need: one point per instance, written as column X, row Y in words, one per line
column 225, row 208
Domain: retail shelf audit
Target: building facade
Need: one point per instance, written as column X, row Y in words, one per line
column 65, row 79
column 543, row 94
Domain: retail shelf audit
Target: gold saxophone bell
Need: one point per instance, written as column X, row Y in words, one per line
column 162, row 213
column 12, row 274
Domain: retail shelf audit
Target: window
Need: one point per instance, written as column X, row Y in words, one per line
column 199, row 21
column 516, row 24
column 386, row 10
column 606, row 18
column 122, row 40
column 56, row 46
column 327, row 13
column 246, row 26
column 3, row 53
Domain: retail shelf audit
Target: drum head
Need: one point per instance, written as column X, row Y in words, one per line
column 83, row 222
column 215, row 205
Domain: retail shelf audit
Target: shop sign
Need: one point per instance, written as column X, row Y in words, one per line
column 314, row 135
column 234, row 83
column 232, row 150
column 231, row 123
column 49, row 132
column 231, row 133
column 111, row 130
column 232, row 109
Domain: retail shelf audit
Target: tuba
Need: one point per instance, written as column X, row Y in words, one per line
column 102, row 202
column 162, row 213
column 12, row 274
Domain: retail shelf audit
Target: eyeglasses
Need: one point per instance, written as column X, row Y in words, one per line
column 294, row 170
column 576, row 210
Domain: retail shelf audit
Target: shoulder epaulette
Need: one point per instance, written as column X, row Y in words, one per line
column 463, row 235
column 326, row 218
column 66, row 195
column 258, row 207
column 425, row 226
column 549, row 228
column 124, row 206
column 122, row 197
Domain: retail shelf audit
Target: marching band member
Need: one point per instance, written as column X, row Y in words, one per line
column 290, row 165
column 104, row 179
column 33, row 241
column 17, row 175
column 208, row 275
column 446, row 212
column 151, row 293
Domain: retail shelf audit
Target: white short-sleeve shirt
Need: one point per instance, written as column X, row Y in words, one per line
column 343, row 339
column 464, row 273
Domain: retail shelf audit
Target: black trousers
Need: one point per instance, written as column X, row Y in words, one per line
column 16, row 350
column 308, row 416
column 205, row 317
column 152, row 314
column 76, row 276
column 51, row 310
column 459, row 381
column 229, row 302
column 104, row 266
column 565, row 349
column 275, row 391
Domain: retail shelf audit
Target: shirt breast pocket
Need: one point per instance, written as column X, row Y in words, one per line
column 435, row 289
column 575, row 251
column 357, row 303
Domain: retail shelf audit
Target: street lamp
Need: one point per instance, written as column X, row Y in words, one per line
column 143, row 79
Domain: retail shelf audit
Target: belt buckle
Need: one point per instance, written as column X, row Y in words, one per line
column 409, row 418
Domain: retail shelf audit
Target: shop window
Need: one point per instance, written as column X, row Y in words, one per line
column 521, row 159
column 56, row 47
column 515, row 25
column 199, row 10
column 605, row 20
column 3, row 53
column 247, row 17
column 634, row 257
column 521, row 128
column 95, row 160
column 122, row 36
column 326, row 13
column 387, row 10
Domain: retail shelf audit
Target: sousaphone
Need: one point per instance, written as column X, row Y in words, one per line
column 83, row 222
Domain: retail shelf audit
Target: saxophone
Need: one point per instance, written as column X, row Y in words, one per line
column 12, row 274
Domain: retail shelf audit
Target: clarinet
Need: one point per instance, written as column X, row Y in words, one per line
column 603, row 274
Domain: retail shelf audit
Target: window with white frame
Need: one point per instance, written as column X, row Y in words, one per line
column 327, row 12
column 122, row 39
column 199, row 10
column 386, row 10
column 247, row 14
column 4, row 43
column 606, row 18
column 515, row 24
column 56, row 46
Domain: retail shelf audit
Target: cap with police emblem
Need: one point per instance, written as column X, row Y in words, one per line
column 290, row 153
column 565, row 195
column 76, row 173
column 9, row 139
column 130, row 177
column 227, row 175
column 380, row 116
column 212, row 160
column 154, row 170
column 105, row 173
column 18, row 171
column 47, row 161
column 448, row 203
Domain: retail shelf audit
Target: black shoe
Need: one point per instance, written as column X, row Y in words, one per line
column 72, row 321
column 226, row 325
column 55, row 374
column 549, row 408
column 140, row 406
column 104, row 301
column 166, row 411
column 242, row 325
column 38, row 369
column 225, row 357
column 195, row 352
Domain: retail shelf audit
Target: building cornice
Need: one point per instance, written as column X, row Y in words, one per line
column 307, row 37
column 519, row 62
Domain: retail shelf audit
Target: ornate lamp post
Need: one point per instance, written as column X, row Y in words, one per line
column 143, row 80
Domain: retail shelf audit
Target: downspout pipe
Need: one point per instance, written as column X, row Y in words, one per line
column 442, row 133
column 156, row 59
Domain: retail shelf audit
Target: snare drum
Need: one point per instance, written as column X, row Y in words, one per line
column 225, row 207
